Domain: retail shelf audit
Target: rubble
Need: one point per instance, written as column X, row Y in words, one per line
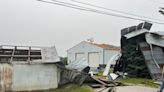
column 75, row 72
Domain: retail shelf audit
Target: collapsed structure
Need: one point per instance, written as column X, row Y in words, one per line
column 29, row 68
column 142, row 52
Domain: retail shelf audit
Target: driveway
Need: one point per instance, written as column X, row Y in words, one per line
column 135, row 89
column 129, row 89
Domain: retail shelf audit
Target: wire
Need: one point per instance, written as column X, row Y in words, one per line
column 114, row 10
column 107, row 9
column 96, row 11
column 61, row 4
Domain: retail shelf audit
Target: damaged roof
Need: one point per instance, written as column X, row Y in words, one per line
column 147, row 26
column 151, row 46
column 160, row 33
column 10, row 53
column 134, row 31
column 152, row 36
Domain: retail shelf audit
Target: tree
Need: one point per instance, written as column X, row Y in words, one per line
column 63, row 60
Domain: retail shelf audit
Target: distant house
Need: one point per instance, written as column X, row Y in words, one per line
column 95, row 54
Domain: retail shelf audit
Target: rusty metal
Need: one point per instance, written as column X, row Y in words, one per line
column 6, row 74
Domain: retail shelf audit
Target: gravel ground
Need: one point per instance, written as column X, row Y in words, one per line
column 130, row 89
column 135, row 89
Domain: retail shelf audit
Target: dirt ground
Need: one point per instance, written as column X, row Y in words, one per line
column 130, row 89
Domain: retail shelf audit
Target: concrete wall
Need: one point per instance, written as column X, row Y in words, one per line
column 85, row 48
column 108, row 54
column 6, row 75
column 27, row 77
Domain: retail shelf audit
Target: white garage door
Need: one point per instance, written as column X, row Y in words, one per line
column 94, row 59
column 79, row 56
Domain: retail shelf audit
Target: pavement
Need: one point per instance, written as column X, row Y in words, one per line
column 129, row 89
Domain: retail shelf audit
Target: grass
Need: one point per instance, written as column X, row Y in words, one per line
column 111, row 70
column 139, row 81
column 100, row 73
column 73, row 88
column 133, row 81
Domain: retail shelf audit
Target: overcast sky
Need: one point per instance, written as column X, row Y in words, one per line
column 30, row 22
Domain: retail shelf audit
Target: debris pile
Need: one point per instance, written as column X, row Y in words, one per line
column 78, row 72
column 142, row 52
column 75, row 72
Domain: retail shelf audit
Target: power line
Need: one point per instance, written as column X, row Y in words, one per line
column 61, row 4
column 96, row 11
column 114, row 10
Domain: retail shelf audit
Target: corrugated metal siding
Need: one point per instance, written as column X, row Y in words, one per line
column 154, row 70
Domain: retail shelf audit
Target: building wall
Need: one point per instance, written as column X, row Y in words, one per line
column 85, row 48
column 6, row 75
column 27, row 77
column 108, row 54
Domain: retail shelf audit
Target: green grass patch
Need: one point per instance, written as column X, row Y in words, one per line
column 111, row 70
column 139, row 81
column 73, row 88
column 100, row 73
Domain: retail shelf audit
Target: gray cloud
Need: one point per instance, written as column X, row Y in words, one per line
column 29, row 22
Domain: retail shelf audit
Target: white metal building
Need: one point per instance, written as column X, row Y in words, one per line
column 95, row 54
